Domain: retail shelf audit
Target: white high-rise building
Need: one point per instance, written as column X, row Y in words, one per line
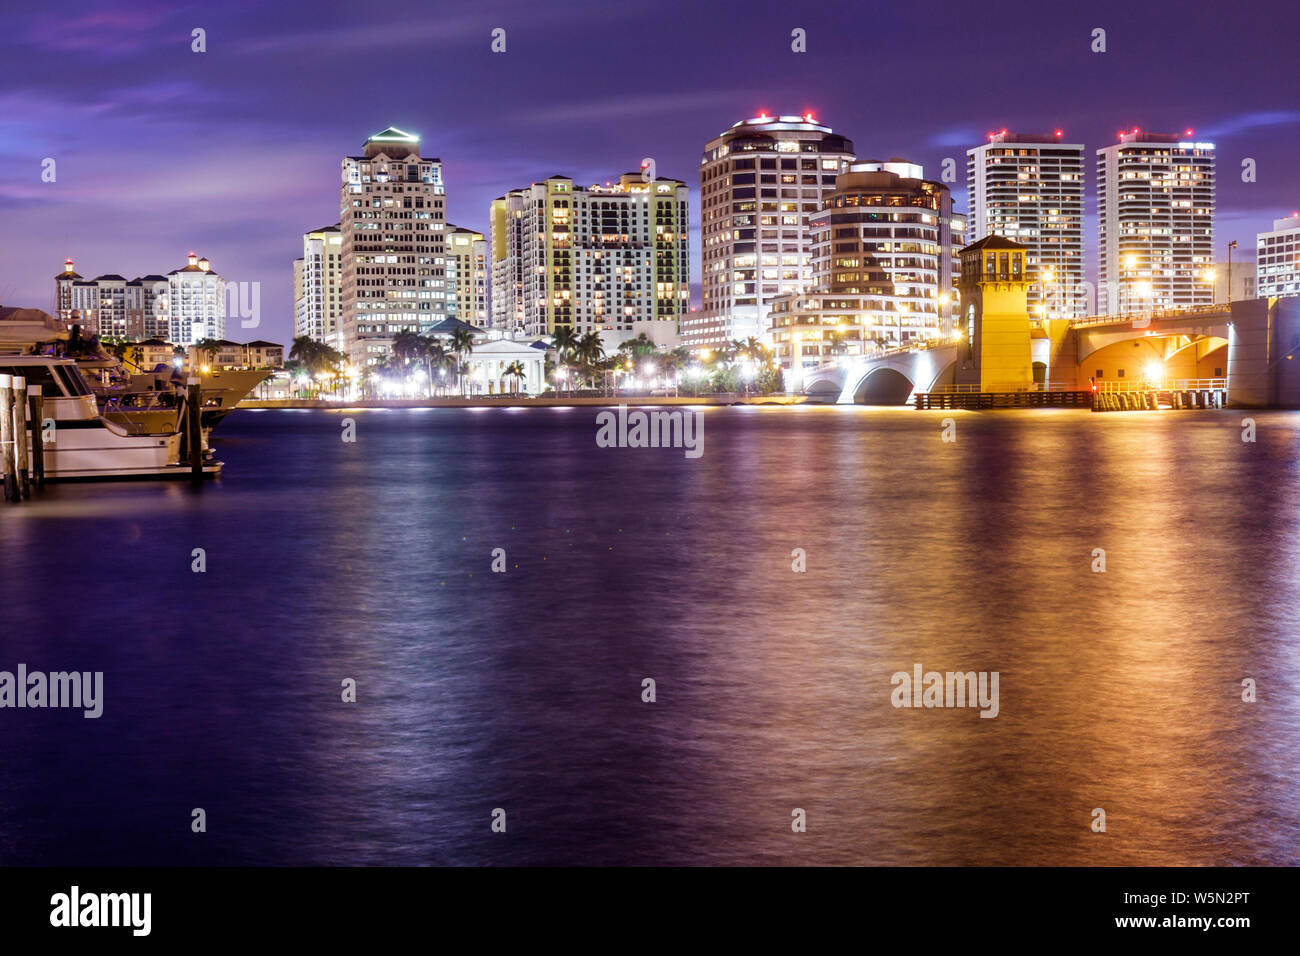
column 760, row 181
column 112, row 307
column 392, row 217
column 1277, row 259
column 1029, row 188
column 590, row 258
column 1155, row 213
column 196, row 303
column 318, row 287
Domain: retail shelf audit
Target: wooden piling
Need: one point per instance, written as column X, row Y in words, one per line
column 20, row 435
column 36, row 415
column 7, row 469
column 194, row 427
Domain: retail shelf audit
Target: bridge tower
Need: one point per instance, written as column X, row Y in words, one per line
column 994, row 297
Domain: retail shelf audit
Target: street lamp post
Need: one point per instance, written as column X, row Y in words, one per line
column 1231, row 245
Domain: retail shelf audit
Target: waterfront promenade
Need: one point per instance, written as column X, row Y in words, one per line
column 521, row 401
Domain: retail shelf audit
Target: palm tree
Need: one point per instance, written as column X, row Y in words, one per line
column 207, row 348
column 315, row 358
column 566, row 346
column 407, row 346
column 516, row 370
column 462, row 346
column 566, row 343
column 589, row 352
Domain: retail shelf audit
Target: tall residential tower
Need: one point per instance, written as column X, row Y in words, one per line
column 760, row 182
column 318, row 309
column 1155, row 215
column 883, row 250
column 392, row 217
column 1029, row 188
column 590, row 258
column 468, row 280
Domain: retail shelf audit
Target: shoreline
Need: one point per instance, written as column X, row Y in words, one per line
column 522, row 402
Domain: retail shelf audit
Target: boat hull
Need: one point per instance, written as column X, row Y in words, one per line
column 82, row 451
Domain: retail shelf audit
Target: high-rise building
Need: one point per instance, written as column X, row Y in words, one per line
column 760, row 182
column 1277, row 259
column 1029, row 188
column 505, row 271
column 1155, row 212
column 63, row 291
column 882, row 252
column 147, row 304
column 468, row 280
column 299, row 299
column 318, row 287
column 112, row 307
column 391, row 215
column 99, row 304
column 196, row 303
column 590, row 258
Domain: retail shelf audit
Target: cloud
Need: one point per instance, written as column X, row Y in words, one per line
column 965, row 138
column 1249, row 121
column 628, row 107
column 108, row 31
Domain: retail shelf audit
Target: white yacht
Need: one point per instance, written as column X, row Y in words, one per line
column 85, row 445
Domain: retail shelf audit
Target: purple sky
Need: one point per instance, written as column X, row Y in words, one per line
column 235, row 152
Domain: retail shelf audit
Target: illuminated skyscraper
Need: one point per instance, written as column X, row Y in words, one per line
column 883, row 268
column 467, row 276
column 391, row 215
column 590, row 258
column 318, row 306
column 1155, row 211
column 1029, row 189
column 760, row 182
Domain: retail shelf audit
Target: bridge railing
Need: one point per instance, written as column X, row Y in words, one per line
column 917, row 345
column 1175, row 385
column 976, row 389
column 1122, row 318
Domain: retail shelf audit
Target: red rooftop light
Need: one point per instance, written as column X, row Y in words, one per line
column 1059, row 134
column 1189, row 132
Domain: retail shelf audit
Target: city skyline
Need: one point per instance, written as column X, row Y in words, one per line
column 235, row 150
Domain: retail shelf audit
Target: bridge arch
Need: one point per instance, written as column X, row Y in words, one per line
column 1155, row 358
column 883, row 386
column 823, row 389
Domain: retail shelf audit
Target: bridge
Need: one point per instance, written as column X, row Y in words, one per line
column 1254, row 344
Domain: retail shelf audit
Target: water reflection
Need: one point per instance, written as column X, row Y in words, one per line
column 329, row 560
